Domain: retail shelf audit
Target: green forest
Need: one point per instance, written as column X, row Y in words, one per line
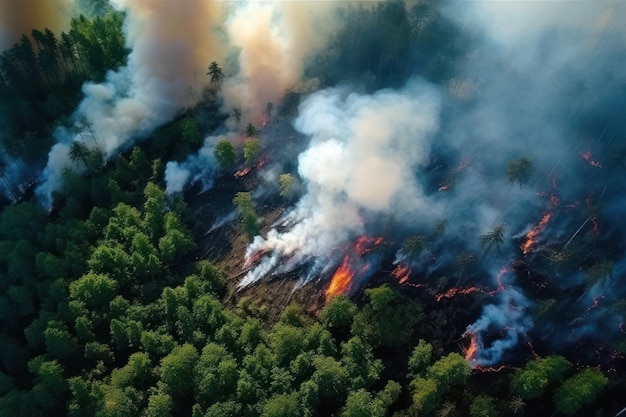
column 114, row 302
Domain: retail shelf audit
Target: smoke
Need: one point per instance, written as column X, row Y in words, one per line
column 276, row 41
column 200, row 166
column 171, row 44
column 19, row 17
column 359, row 164
column 508, row 320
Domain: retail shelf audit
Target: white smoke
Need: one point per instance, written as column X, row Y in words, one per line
column 172, row 43
column 361, row 161
column 508, row 319
column 200, row 166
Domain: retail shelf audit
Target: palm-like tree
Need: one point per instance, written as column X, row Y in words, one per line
column 251, row 131
column 237, row 115
column 599, row 273
column 519, row 170
column 413, row 245
column 79, row 151
column 216, row 74
column 491, row 239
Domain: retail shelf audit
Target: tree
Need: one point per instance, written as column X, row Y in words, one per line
column 483, row 406
column 237, row 115
column 425, row 394
column 159, row 405
column 95, row 291
column 287, row 185
column 579, row 390
column 493, row 238
column 283, row 405
column 177, row 370
column 421, row 357
column 518, row 171
column 216, row 74
column 251, row 149
column 225, row 154
column 599, row 274
column 251, row 131
column 249, row 218
column 79, row 151
column 448, row 371
column 413, row 245
column 338, row 312
column 531, row 381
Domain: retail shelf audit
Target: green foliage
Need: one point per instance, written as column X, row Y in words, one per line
column 449, row 370
column 387, row 319
column 251, row 149
column 282, row 405
column 579, row 390
column 532, row 380
column 425, row 394
column 421, row 357
column 287, row 185
column 483, row 406
column 177, row 370
column 338, row 312
column 159, row 405
column 249, row 218
column 95, row 291
column 225, row 154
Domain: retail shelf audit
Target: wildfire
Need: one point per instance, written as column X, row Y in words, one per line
column 243, row 172
column 456, row 291
column 531, row 237
column 587, row 157
column 366, row 244
column 401, row 272
column 472, row 349
column 341, row 280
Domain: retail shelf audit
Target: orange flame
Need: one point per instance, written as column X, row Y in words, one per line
column 365, row 244
column 587, row 157
column 243, row 172
column 341, row 280
column 401, row 272
column 531, row 237
column 456, row 291
column 472, row 349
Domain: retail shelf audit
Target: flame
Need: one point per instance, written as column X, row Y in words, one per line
column 587, row 157
column 365, row 244
column 472, row 349
column 341, row 280
column 456, row 291
column 401, row 272
column 243, row 172
column 531, row 237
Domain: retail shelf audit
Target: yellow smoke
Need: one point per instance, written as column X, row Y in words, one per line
column 18, row 17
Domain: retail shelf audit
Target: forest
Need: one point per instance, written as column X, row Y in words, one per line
column 392, row 208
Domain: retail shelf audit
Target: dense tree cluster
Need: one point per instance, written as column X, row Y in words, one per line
column 41, row 77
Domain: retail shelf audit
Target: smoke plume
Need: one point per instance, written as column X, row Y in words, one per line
column 171, row 43
column 358, row 165
column 19, row 17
